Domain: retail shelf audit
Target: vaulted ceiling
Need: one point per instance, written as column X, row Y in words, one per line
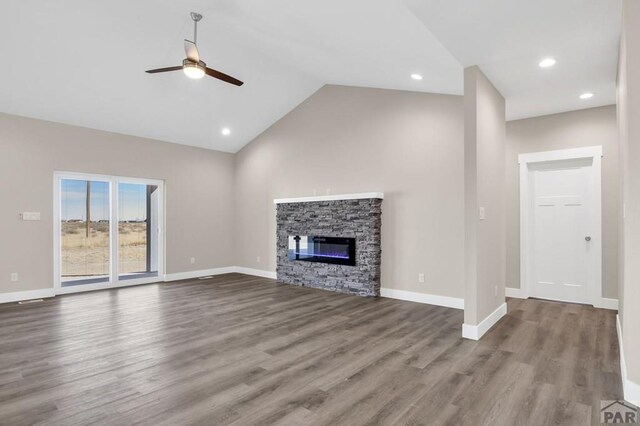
column 82, row 62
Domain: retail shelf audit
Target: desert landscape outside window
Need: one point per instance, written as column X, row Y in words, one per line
column 85, row 218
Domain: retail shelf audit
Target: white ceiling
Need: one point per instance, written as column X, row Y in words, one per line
column 507, row 39
column 82, row 62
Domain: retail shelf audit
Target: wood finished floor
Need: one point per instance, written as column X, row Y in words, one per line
column 244, row 350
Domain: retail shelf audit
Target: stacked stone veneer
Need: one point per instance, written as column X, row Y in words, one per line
column 359, row 219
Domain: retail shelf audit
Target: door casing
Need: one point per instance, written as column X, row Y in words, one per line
column 526, row 229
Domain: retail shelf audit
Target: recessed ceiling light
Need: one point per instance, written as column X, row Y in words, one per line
column 586, row 95
column 416, row 76
column 226, row 131
column 547, row 62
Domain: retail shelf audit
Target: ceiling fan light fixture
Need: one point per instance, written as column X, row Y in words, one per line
column 192, row 66
column 193, row 70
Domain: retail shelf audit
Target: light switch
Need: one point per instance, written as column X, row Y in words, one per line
column 30, row 215
column 481, row 213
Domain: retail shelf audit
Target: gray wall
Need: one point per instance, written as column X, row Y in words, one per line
column 589, row 127
column 628, row 119
column 408, row 145
column 346, row 139
column 484, row 142
column 199, row 186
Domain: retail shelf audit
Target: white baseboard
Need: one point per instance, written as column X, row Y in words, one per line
column 631, row 389
column 219, row 271
column 197, row 274
column 514, row 292
column 475, row 332
column 18, row 296
column 430, row 299
column 605, row 303
column 255, row 272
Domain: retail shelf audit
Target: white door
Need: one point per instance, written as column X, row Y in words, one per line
column 563, row 229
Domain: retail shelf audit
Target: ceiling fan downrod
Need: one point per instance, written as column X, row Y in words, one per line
column 196, row 18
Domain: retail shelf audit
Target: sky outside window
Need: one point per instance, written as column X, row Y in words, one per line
column 131, row 206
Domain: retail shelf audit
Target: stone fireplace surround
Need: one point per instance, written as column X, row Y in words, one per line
column 351, row 215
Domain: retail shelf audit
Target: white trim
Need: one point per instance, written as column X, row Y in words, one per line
column 197, row 274
column 561, row 154
column 606, row 303
column 219, row 271
column 430, row 299
column 602, row 303
column 475, row 332
column 255, row 272
column 19, row 296
column 623, row 365
column 107, row 286
column 513, row 292
column 595, row 152
column 631, row 389
column 359, row 196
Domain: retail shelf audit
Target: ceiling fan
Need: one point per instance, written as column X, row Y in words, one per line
column 192, row 66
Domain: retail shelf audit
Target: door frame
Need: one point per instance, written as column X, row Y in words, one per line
column 595, row 264
column 114, row 281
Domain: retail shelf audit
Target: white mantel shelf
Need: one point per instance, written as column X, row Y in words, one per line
column 338, row 197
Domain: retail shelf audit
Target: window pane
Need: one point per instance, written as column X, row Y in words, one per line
column 137, row 230
column 84, row 209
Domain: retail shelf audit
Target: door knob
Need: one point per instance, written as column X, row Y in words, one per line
column 587, row 238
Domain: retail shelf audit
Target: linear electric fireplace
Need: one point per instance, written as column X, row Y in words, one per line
column 340, row 251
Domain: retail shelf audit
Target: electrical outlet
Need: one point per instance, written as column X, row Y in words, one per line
column 258, row 259
column 420, row 277
column 315, row 192
column 14, row 277
column 481, row 213
column 496, row 291
column 328, row 191
column 193, row 260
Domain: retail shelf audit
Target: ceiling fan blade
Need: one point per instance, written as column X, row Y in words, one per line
column 222, row 76
column 191, row 50
column 179, row 67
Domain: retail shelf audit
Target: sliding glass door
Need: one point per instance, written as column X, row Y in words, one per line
column 108, row 231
